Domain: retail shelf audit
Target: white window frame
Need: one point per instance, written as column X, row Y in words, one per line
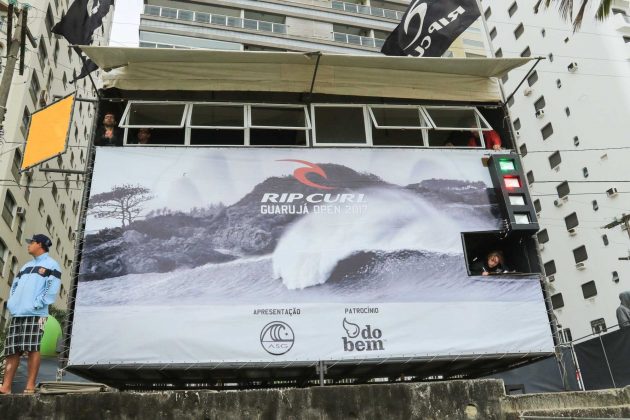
column 123, row 120
column 479, row 118
column 244, row 127
column 423, row 129
column 367, row 125
column 250, row 126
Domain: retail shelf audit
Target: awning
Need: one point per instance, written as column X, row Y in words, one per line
column 447, row 79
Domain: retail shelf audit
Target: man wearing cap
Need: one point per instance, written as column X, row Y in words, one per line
column 34, row 288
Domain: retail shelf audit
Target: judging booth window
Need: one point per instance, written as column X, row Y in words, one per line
column 165, row 119
column 217, row 125
column 519, row 251
column 398, row 125
column 453, row 125
column 339, row 125
column 278, row 125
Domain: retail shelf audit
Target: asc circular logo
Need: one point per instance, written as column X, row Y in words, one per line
column 277, row 338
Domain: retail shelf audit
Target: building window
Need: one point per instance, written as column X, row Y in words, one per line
column 550, row 268
column 555, row 159
column 576, row 141
column 615, row 277
column 580, row 254
column 527, row 52
column 595, row 205
column 557, row 301
column 34, row 88
column 519, row 31
column 56, row 52
column 13, row 269
column 571, row 221
column 487, row 13
column 567, row 111
column 48, row 224
column 517, row 124
column 565, row 335
column 26, row 116
column 510, row 101
column 504, row 79
column 40, row 207
column 563, row 189
column 598, row 326
column 558, row 83
column 605, row 239
column 43, row 54
column 585, row 172
column 537, row 205
column 547, row 131
column 20, row 229
column 50, row 21
column 550, row 56
column 513, row 8
column 530, row 177
column 64, row 81
column 543, row 32
column 329, row 132
column 8, row 209
column 498, row 53
column 540, row 103
column 532, row 78
column 3, row 255
column 523, row 150
column 543, row 236
column 17, row 162
column 55, row 192
column 493, row 33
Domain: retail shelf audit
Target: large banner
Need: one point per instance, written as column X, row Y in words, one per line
column 217, row 255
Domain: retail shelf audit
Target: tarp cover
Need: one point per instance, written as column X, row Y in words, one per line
column 603, row 360
column 449, row 79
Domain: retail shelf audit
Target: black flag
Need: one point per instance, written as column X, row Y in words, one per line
column 429, row 27
column 79, row 24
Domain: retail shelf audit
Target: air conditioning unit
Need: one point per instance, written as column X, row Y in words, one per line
column 611, row 192
column 573, row 67
column 21, row 211
column 551, row 278
column 527, row 91
column 580, row 266
column 558, row 203
column 540, row 113
column 572, row 231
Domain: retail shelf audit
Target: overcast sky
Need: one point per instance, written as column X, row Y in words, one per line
column 126, row 21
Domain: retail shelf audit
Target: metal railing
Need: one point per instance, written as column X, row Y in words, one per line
column 202, row 17
column 367, row 10
column 358, row 40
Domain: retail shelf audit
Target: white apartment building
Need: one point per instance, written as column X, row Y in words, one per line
column 39, row 202
column 351, row 27
column 572, row 120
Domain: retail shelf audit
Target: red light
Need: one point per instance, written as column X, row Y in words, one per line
column 512, row 182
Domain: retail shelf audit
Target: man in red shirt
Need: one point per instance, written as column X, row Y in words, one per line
column 492, row 139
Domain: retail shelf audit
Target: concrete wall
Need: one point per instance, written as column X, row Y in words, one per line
column 479, row 399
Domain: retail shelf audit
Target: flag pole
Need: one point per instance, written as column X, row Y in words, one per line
column 84, row 66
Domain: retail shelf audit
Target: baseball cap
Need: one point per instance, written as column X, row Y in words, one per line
column 40, row 238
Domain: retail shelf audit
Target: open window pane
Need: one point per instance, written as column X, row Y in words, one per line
column 446, row 118
column 385, row 117
column 263, row 116
column 341, row 125
column 217, row 116
column 155, row 115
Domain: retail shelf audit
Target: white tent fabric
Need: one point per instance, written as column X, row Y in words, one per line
column 445, row 79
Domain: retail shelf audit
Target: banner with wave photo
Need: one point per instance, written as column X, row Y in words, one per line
column 215, row 255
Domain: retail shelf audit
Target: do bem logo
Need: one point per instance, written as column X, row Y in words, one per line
column 277, row 338
column 367, row 338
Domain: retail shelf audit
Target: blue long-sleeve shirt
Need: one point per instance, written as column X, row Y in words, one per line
column 31, row 293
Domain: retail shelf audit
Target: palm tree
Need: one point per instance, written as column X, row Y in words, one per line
column 566, row 10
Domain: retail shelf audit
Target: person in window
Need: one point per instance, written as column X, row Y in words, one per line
column 109, row 134
column 494, row 263
column 143, row 136
column 623, row 311
column 492, row 139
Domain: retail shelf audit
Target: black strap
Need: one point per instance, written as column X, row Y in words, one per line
column 48, row 272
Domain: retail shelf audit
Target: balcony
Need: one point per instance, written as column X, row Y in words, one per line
column 214, row 19
column 621, row 23
column 358, row 40
column 367, row 10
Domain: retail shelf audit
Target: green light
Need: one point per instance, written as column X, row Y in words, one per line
column 506, row 165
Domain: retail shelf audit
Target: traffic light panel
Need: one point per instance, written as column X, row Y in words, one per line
column 509, row 183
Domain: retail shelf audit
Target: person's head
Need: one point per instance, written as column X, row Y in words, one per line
column 109, row 119
column 494, row 259
column 144, row 135
column 38, row 244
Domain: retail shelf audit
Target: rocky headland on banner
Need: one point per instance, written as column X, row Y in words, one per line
column 171, row 240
